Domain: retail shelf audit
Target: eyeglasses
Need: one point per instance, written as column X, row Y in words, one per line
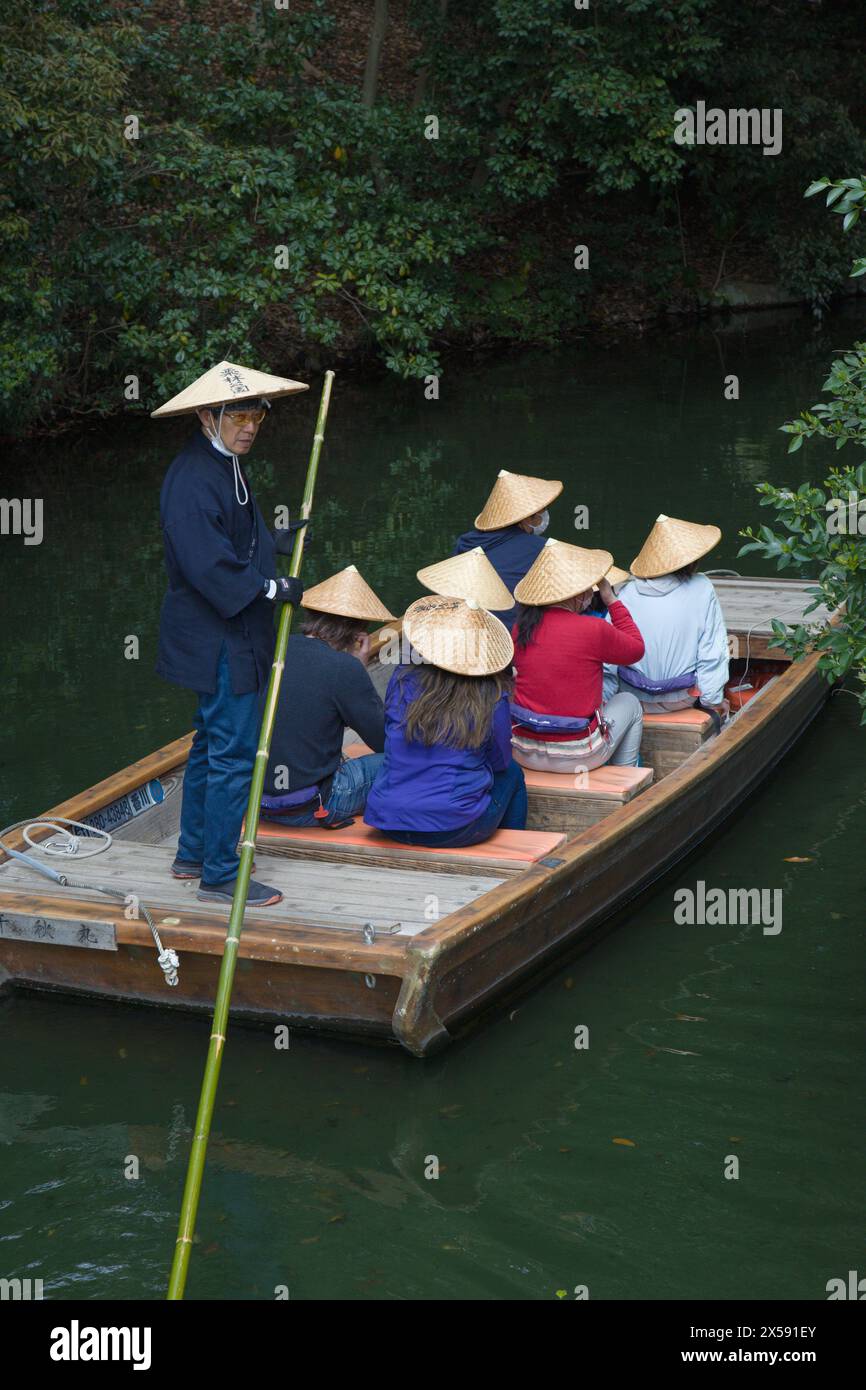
column 246, row 417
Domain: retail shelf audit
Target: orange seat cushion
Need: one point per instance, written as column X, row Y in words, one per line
column 615, row 783
column 686, row 718
column 525, row 846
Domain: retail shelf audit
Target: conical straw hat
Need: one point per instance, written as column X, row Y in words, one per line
column 458, row 635
column 671, row 544
column 561, row 571
column 615, row 576
column 469, row 575
column 347, row 595
column 514, row 498
column 227, row 382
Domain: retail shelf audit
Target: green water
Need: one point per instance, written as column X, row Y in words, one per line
column 704, row 1042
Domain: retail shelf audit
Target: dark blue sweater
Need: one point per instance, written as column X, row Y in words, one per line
column 511, row 552
column 218, row 555
column 323, row 693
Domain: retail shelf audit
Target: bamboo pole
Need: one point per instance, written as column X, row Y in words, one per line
column 210, row 1081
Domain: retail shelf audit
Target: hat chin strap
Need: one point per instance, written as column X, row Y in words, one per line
column 217, row 442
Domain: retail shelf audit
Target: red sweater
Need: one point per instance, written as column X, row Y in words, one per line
column 560, row 671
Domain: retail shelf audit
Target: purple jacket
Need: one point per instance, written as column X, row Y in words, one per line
column 435, row 787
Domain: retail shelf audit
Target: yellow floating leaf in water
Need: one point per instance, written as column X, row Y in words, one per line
column 798, row 859
column 82, row 1081
column 628, row 1142
column 310, row 1240
column 561, row 1293
column 334, row 1220
column 690, row 1018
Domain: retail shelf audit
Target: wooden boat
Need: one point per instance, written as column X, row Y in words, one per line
column 381, row 941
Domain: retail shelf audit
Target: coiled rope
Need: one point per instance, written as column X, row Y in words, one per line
column 73, row 846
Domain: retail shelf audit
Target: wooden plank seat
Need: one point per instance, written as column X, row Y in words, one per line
column 668, row 739
column 509, row 850
column 562, row 801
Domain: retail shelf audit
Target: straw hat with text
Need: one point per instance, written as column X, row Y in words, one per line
column 458, row 635
column 561, row 571
column 514, row 498
column 348, row 596
column 226, row 383
column 469, row 575
column 671, row 544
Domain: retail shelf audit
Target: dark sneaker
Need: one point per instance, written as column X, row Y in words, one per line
column 258, row 894
column 183, row 869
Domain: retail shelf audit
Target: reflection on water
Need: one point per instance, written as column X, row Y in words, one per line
column 557, row 1166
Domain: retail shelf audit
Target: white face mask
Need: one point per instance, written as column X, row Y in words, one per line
column 540, row 529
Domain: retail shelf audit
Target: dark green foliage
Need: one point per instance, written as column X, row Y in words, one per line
column 155, row 257
column 824, row 528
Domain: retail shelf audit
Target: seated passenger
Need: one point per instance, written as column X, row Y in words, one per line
column 325, row 690
column 680, row 618
column 448, row 777
column 560, row 725
column 509, row 528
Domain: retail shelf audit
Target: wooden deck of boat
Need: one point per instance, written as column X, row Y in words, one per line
column 317, row 893
column 750, row 605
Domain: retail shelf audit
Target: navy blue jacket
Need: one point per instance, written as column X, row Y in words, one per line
column 218, row 555
column 511, row 552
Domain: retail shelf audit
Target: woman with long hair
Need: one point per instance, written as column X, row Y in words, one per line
column 561, row 722
column 448, row 777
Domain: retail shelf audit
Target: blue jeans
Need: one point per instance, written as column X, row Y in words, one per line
column 217, row 782
column 507, row 811
column 348, row 797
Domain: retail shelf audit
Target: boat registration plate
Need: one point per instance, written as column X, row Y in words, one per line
column 51, row 931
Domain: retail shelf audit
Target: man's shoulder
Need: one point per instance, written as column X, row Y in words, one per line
column 194, row 456
column 192, row 471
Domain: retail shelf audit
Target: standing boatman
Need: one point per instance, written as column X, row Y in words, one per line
column 216, row 633
column 509, row 528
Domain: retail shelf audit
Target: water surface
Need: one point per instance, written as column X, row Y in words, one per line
column 704, row 1042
